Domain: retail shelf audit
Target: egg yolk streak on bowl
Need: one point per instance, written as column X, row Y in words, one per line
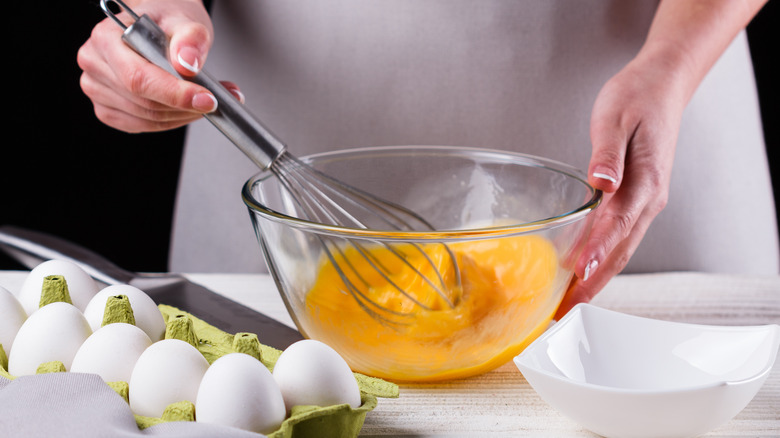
column 505, row 302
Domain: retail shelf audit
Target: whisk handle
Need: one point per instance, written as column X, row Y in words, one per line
column 231, row 117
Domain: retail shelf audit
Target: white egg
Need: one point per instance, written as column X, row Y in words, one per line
column 81, row 286
column 146, row 313
column 169, row 371
column 239, row 391
column 111, row 352
column 53, row 332
column 310, row 372
column 12, row 316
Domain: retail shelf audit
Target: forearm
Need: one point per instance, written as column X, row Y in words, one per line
column 688, row 36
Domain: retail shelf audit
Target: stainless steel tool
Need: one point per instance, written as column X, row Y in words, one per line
column 31, row 248
column 321, row 198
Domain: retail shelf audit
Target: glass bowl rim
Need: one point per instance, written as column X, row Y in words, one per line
column 438, row 235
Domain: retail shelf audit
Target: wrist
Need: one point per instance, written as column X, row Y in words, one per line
column 671, row 65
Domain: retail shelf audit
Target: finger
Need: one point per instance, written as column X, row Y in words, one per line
column 234, row 90
column 189, row 46
column 118, row 118
column 147, row 109
column 581, row 291
column 642, row 195
column 613, row 223
column 609, row 139
column 99, row 82
column 117, row 65
column 618, row 229
column 150, row 82
column 148, row 116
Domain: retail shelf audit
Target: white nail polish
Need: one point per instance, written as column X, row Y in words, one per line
column 590, row 268
column 214, row 99
column 604, row 176
column 239, row 94
column 193, row 68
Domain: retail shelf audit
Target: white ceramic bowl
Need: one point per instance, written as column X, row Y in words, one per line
column 624, row 376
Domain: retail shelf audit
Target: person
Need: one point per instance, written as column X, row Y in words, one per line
column 647, row 83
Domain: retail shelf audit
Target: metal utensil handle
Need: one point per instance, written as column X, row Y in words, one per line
column 32, row 248
column 231, row 117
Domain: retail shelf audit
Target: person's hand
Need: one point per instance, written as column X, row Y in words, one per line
column 634, row 128
column 131, row 94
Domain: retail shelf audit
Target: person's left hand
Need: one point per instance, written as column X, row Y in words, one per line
column 634, row 128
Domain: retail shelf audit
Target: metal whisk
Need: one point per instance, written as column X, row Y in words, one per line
column 320, row 197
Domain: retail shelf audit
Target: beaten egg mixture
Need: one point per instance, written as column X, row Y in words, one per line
column 504, row 302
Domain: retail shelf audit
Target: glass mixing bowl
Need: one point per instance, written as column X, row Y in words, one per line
column 514, row 224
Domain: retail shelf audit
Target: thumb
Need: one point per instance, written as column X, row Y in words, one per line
column 608, row 158
column 611, row 131
column 189, row 46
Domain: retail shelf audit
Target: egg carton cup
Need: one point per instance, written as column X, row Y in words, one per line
column 304, row 421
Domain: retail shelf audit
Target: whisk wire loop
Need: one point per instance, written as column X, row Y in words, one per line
column 368, row 305
column 332, row 195
column 324, row 199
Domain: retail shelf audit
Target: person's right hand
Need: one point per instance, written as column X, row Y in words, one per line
column 131, row 94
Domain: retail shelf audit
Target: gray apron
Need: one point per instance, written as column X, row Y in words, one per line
column 513, row 75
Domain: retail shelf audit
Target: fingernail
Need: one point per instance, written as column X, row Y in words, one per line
column 236, row 92
column 604, row 176
column 590, row 268
column 192, row 64
column 204, row 102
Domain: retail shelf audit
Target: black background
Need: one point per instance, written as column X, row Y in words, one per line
column 65, row 173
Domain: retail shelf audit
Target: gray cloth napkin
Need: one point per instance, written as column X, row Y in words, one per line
column 82, row 405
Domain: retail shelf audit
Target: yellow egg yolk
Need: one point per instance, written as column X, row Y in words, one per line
column 401, row 327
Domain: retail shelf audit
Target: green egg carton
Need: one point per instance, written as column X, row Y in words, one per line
column 304, row 421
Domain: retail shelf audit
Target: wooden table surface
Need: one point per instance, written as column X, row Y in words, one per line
column 502, row 403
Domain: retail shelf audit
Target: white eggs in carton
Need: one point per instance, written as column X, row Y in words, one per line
column 12, row 316
column 239, row 391
column 310, row 372
column 52, row 333
column 167, row 372
column 145, row 312
column 111, row 352
column 80, row 285
column 119, row 333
